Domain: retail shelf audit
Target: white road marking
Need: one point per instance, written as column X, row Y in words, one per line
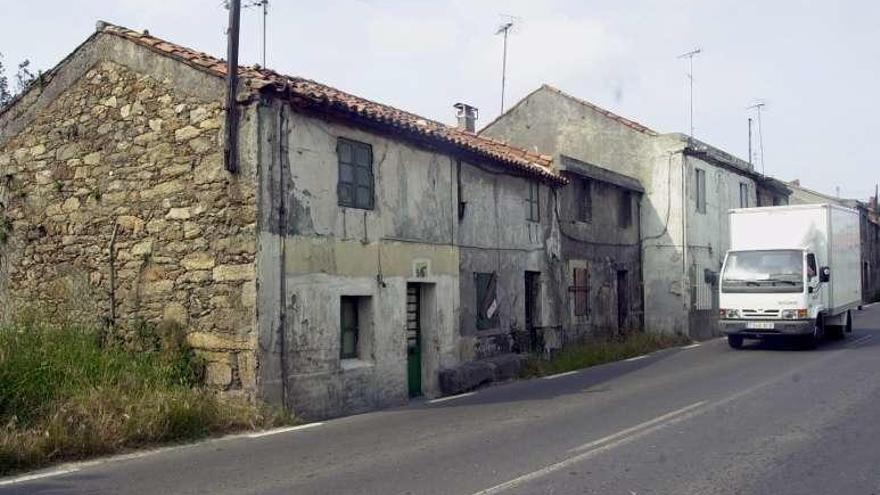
column 859, row 341
column 695, row 344
column 276, row 431
column 451, row 397
column 601, row 445
column 38, row 476
column 643, row 356
column 560, row 375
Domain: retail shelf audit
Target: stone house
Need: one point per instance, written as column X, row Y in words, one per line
column 689, row 188
column 357, row 252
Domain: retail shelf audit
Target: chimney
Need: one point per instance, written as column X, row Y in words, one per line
column 467, row 117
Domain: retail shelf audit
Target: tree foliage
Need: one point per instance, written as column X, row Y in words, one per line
column 23, row 79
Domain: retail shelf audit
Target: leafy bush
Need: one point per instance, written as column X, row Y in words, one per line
column 70, row 391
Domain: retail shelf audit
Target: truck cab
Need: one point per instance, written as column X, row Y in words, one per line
column 771, row 292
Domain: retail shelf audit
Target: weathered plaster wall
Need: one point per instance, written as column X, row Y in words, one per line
column 324, row 251
column 603, row 246
column 495, row 236
column 121, row 136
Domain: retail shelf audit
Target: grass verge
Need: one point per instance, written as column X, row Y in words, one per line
column 600, row 351
column 68, row 392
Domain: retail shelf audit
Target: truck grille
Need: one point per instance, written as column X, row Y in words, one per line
column 760, row 313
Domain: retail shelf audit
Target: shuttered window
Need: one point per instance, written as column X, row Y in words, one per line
column 355, row 186
column 625, row 218
column 350, row 327
column 743, row 195
column 581, row 291
column 533, row 209
column 585, row 201
column 487, row 300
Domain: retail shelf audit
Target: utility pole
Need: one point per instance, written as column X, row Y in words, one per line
column 750, row 141
column 690, row 56
column 230, row 152
column 758, row 107
column 264, row 4
column 504, row 30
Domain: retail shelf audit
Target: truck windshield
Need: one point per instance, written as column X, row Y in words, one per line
column 764, row 271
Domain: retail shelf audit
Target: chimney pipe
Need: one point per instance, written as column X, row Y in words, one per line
column 467, row 117
column 230, row 152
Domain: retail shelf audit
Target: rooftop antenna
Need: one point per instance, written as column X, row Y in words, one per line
column 757, row 107
column 690, row 56
column 504, row 29
column 264, row 4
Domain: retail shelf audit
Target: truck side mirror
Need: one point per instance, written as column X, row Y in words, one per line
column 825, row 274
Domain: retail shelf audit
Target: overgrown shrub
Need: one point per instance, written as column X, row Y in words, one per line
column 69, row 391
column 593, row 352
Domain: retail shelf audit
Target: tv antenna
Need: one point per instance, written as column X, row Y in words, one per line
column 264, row 4
column 504, row 29
column 690, row 56
column 757, row 107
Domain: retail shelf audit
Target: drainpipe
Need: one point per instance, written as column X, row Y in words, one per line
column 230, row 150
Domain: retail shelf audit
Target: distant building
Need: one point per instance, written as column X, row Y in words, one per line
column 689, row 188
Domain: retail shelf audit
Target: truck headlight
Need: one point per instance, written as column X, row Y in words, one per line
column 794, row 314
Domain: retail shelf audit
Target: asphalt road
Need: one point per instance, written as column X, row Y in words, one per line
column 700, row 420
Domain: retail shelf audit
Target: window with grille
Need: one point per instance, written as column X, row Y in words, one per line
column 355, row 186
column 533, row 208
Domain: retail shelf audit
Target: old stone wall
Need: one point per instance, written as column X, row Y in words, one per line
column 125, row 159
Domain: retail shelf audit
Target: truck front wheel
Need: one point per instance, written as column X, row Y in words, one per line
column 735, row 341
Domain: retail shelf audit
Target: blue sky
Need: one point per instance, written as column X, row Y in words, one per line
column 815, row 64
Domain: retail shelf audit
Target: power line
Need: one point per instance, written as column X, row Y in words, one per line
column 690, row 56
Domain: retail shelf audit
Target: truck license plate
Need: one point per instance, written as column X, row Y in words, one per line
column 760, row 325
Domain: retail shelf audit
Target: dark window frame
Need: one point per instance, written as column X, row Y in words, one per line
column 625, row 209
column 355, row 186
column 700, row 192
column 486, row 294
column 533, row 202
column 354, row 328
column 743, row 195
column 580, row 289
column 585, row 201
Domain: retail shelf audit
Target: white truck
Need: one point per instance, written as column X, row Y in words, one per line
column 790, row 271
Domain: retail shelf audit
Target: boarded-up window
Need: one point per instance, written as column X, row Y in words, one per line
column 355, row 186
column 743, row 195
column 625, row 210
column 533, row 209
column 581, row 291
column 700, row 190
column 487, row 300
column 585, row 201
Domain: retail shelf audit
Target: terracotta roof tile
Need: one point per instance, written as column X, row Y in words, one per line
column 320, row 97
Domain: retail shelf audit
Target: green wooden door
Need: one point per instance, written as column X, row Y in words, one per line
column 413, row 340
